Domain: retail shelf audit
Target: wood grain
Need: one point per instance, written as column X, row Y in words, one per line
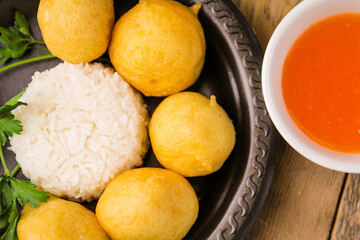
column 347, row 223
column 265, row 15
column 302, row 200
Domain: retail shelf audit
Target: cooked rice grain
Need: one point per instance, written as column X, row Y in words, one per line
column 83, row 125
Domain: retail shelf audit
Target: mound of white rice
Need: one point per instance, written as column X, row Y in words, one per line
column 83, row 125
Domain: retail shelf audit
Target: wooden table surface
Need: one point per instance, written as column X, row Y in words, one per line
column 306, row 201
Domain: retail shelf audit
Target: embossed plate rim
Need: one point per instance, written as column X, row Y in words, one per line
column 252, row 192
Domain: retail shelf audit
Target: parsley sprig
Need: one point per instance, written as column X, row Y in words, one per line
column 12, row 190
column 16, row 39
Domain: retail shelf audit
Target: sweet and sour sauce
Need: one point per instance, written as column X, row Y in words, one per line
column 321, row 82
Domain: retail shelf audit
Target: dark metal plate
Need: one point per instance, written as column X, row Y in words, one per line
column 231, row 198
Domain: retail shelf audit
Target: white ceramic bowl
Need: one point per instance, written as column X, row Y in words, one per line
column 295, row 22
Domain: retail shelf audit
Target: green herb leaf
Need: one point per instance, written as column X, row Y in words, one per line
column 9, row 125
column 16, row 44
column 10, row 37
column 16, row 39
column 12, row 103
column 25, row 192
column 19, row 49
column 14, row 212
column 10, row 233
column 6, row 195
column 3, row 182
column 22, row 24
column 5, row 54
column 4, row 216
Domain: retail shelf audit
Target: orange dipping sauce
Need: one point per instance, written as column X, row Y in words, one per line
column 321, row 82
